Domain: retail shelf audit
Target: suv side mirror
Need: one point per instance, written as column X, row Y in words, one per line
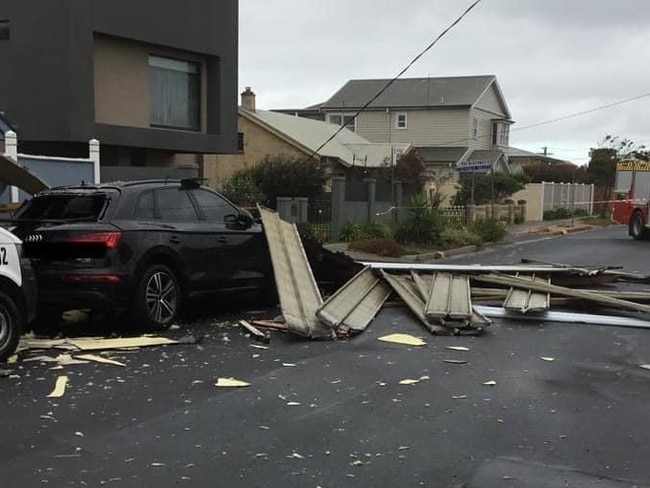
column 245, row 218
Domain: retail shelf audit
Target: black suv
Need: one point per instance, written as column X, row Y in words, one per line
column 139, row 247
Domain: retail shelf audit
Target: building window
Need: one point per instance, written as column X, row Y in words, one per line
column 4, row 30
column 174, row 93
column 504, row 136
column 500, row 134
column 400, row 120
column 348, row 120
column 475, row 129
column 240, row 141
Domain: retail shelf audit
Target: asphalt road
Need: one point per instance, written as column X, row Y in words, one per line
column 333, row 414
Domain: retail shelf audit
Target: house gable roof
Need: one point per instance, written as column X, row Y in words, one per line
column 308, row 135
column 411, row 92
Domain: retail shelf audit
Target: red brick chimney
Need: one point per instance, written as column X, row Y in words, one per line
column 248, row 99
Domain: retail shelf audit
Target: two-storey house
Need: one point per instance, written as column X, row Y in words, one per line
column 454, row 122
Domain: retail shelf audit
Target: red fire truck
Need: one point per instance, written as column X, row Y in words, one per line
column 632, row 197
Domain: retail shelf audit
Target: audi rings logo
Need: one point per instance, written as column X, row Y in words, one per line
column 31, row 238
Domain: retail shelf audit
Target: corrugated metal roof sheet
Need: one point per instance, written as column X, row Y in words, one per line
column 354, row 305
column 299, row 296
column 433, row 155
column 411, row 92
column 485, row 155
column 347, row 146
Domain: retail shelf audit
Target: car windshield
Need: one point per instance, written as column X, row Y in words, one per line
column 64, row 207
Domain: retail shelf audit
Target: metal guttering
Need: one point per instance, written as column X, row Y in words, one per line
column 474, row 269
column 565, row 317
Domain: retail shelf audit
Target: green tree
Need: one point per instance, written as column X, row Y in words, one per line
column 488, row 188
column 283, row 176
column 557, row 172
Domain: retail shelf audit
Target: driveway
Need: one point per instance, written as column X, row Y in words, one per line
column 533, row 405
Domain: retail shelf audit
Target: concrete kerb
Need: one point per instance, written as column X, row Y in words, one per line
column 518, row 234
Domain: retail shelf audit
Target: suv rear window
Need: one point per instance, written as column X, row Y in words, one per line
column 64, row 207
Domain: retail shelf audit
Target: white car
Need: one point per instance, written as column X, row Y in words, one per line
column 17, row 292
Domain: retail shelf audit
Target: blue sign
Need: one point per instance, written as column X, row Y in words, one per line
column 474, row 167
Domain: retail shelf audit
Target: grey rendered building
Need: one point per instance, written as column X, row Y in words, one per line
column 150, row 79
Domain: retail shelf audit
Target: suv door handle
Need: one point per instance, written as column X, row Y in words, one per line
column 222, row 239
column 174, row 240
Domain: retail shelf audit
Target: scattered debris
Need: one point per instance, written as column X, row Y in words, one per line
column 458, row 348
column 409, row 381
column 547, row 358
column 99, row 359
column 59, row 387
column 454, row 361
column 644, row 366
column 490, row 383
column 231, row 383
column 404, row 339
column 257, row 334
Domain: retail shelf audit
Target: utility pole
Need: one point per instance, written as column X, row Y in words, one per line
column 545, row 152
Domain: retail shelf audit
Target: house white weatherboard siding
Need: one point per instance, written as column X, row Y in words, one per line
column 423, row 127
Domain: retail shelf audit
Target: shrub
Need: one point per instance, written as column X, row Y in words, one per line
column 458, row 237
column 557, row 213
column 351, row 231
column 376, row 230
column 381, row 247
column 241, row 189
column 422, row 226
column 489, row 230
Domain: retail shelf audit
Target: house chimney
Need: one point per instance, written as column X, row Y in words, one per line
column 248, row 99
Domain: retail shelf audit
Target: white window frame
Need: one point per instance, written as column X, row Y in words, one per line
column 398, row 117
column 475, row 124
column 343, row 115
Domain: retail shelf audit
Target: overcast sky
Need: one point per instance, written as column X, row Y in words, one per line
column 551, row 58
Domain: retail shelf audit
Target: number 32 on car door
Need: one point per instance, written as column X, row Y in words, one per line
column 3, row 256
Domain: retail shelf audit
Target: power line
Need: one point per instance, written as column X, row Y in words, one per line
column 584, row 112
column 404, row 70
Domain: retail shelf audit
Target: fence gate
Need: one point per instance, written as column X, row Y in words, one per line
column 320, row 216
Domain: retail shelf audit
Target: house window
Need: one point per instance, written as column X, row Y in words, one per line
column 400, row 120
column 4, row 30
column 504, row 136
column 240, row 141
column 500, row 134
column 174, row 93
column 475, row 129
column 348, row 120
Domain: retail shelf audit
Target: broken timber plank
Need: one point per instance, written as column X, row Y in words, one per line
column 270, row 324
column 512, row 281
column 523, row 301
column 409, row 294
column 355, row 304
column 255, row 332
column 299, row 296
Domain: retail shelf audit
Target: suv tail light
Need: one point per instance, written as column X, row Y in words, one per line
column 108, row 239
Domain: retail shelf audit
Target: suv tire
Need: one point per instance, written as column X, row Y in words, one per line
column 158, row 298
column 10, row 326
